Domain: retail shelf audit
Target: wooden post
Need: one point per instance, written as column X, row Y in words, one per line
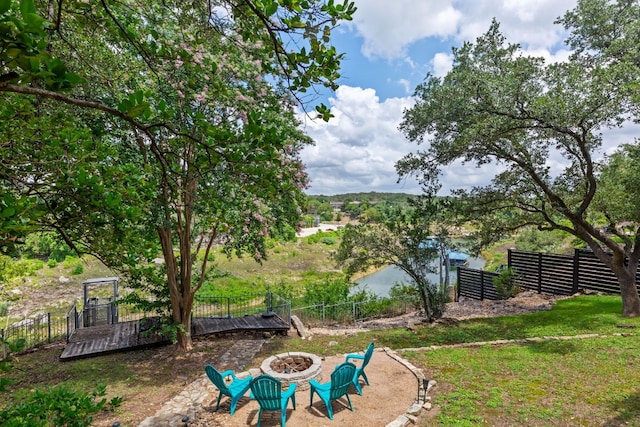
column 576, row 269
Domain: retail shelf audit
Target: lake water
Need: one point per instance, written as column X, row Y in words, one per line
column 380, row 282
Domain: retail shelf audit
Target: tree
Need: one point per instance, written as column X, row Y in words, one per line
column 166, row 127
column 402, row 243
column 499, row 106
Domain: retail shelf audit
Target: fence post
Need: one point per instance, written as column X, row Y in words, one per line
column 457, row 283
column 49, row 328
column 539, row 272
column 576, row 269
column 353, row 311
column 481, row 285
column 4, row 348
column 323, row 314
column 229, row 307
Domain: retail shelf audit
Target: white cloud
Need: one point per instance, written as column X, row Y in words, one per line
column 442, row 64
column 358, row 148
column 389, row 27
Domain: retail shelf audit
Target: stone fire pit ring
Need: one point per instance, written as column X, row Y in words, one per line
column 293, row 367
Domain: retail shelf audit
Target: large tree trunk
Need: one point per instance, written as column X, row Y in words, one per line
column 180, row 304
column 625, row 272
column 628, row 290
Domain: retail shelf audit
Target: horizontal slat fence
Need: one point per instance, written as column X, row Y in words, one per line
column 544, row 273
column 476, row 284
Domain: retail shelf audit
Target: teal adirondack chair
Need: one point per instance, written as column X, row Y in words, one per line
column 267, row 390
column 341, row 379
column 235, row 390
column 360, row 369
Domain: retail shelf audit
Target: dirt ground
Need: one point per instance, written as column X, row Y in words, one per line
column 393, row 389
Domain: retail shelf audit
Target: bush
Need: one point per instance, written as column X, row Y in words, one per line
column 58, row 406
column 4, row 308
column 46, row 245
column 11, row 268
column 410, row 292
column 77, row 269
column 505, row 283
column 328, row 241
column 51, row 263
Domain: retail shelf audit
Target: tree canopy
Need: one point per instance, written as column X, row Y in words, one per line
column 404, row 241
column 499, row 106
column 137, row 128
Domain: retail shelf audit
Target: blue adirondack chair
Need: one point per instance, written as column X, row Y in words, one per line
column 341, row 379
column 267, row 390
column 360, row 369
column 235, row 389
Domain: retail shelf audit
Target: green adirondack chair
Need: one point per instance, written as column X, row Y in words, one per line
column 360, row 369
column 341, row 379
column 235, row 389
column 267, row 390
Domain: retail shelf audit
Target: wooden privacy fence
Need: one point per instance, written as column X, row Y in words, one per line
column 544, row 273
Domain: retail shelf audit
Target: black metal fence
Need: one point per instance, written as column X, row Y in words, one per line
column 352, row 312
column 544, row 273
column 34, row 331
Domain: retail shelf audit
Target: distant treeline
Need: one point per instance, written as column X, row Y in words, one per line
column 372, row 196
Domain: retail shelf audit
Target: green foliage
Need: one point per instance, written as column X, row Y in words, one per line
column 46, row 245
column 77, row 269
column 540, row 241
column 329, row 291
column 11, row 268
column 320, row 235
column 498, row 105
column 51, row 263
column 181, row 130
column 328, row 241
column 58, row 406
column 4, row 308
column 505, row 283
column 401, row 242
column 7, row 347
column 402, row 290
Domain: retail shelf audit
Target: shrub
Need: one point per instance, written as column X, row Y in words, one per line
column 77, row 269
column 505, row 283
column 58, row 406
column 4, row 308
column 410, row 292
column 328, row 240
column 51, row 263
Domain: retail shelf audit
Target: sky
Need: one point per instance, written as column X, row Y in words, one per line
column 389, row 49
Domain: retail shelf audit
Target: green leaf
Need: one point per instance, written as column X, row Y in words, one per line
column 5, row 5
column 137, row 110
column 27, row 7
column 7, row 212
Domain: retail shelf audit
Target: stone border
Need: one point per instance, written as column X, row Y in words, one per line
column 411, row 414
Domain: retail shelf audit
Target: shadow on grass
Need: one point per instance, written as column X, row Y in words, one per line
column 627, row 410
column 553, row 347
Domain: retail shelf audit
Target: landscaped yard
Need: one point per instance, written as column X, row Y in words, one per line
column 587, row 381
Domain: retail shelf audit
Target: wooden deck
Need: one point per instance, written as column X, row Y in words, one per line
column 103, row 339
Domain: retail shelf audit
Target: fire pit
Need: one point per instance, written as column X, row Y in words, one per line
column 294, row 367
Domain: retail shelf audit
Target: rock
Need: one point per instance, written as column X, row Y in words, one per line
column 63, row 279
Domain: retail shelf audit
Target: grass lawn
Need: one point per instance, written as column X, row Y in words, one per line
column 583, row 382
column 580, row 382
